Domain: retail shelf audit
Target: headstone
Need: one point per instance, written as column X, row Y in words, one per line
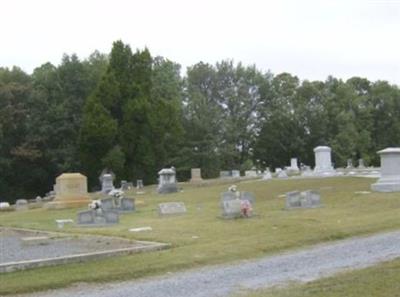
column 98, row 217
column 293, row 199
column 232, row 203
column 305, row 199
column 349, row 164
column 127, row 204
column 225, row 174
column 390, row 171
column 5, row 205
column 323, row 162
column 266, row 175
column 235, row 173
column 111, row 216
column 361, row 164
column 139, row 184
column 86, row 217
column 282, row 174
column 171, row 208
column 123, row 185
column 21, row 204
column 167, row 181
column 108, row 203
column 71, row 191
column 277, row 170
column 307, row 172
column 195, row 175
column 251, row 173
column 293, row 165
column 62, row 222
column 107, row 183
column 231, row 208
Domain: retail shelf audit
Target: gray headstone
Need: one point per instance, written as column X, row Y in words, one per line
column 127, row 204
column 225, row 174
column 168, row 188
column 293, row 199
column 235, row 173
column 107, row 183
column 21, row 204
column 139, row 184
column 107, row 203
column 111, row 216
column 171, row 208
column 305, row 199
column 86, row 217
column 231, row 208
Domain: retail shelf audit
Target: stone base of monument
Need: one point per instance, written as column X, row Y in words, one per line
column 60, row 203
column 386, row 186
column 167, row 188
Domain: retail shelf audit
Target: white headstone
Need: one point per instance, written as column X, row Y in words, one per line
column 293, row 165
column 323, row 162
column 167, row 181
column 390, row 171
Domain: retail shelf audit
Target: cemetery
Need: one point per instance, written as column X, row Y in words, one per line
column 260, row 158
column 216, row 223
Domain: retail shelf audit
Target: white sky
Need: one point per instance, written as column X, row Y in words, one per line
column 308, row 38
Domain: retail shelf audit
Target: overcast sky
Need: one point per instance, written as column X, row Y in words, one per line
column 309, row 38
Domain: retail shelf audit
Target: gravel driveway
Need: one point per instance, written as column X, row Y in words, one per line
column 223, row 280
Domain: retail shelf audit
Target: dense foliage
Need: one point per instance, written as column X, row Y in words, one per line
column 133, row 114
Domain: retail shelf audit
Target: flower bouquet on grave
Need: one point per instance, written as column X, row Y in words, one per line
column 245, row 208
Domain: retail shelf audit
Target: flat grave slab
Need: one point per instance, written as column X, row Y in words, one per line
column 22, row 249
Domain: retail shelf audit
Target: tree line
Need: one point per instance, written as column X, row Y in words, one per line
column 134, row 114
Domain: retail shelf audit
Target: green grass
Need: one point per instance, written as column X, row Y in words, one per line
column 200, row 237
column 376, row 281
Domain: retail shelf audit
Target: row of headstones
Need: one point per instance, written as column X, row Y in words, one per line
column 241, row 204
column 107, row 183
column 107, row 211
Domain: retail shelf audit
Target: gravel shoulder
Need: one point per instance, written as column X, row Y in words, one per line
column 224, row 280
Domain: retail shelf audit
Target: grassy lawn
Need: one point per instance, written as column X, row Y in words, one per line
column 200, row 237
column 376, row 281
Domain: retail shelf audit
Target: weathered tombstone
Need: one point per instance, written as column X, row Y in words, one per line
column 231, row 208
column 123, row 185
column 171, row 208
column 4, row 206
column 21, row 204
column 111, row 216
column 139, row 184
column 349, row 164
column 293, row 199
column 305, row 199
column 195, row 175
column 225, row 174
column 266, row 175
column 127, row 204
column 107, row 183
column 323, row 162
column 390, row 171
column 167, row 181
column 306, row 172
column 107, row 203
column 86, row 217
column 232, row 203
column 251, row 173
column 361, row 164
column 71, row 191
column 293, row 165
column 282, row 174
column 235, row 173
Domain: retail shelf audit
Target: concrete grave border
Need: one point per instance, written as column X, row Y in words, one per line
column 146, row 246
